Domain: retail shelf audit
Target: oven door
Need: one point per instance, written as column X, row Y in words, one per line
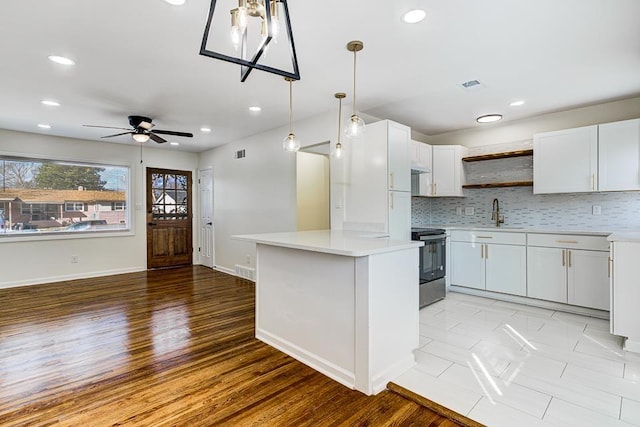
column 432, row 258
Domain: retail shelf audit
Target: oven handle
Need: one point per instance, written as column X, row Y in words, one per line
column 433, row 237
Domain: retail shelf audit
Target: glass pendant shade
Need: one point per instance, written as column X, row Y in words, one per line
column 338, row 151
column 355, row 127
column 291, row 143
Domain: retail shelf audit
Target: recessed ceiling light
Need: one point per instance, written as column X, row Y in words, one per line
column 61, row 60
column 175, row 2
column 489, row 118
column 174, row 143
column 255, row 109
column 414, row 16
column 50, row 103
column 205, row 129
column 44, row 126
column 516, row 103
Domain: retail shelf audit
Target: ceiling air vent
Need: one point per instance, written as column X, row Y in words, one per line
column 471, row 84
column 240, row 154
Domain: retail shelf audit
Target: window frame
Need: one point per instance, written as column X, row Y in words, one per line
column 128, row 228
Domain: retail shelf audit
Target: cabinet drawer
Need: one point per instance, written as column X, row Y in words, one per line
column 480, row 236
column 571, row 241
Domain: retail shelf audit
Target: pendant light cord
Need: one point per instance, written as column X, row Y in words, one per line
column 339, row 118
column 354, row 81
column 290, row 106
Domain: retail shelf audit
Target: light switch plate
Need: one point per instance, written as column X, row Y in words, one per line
column 459, row 210
column 469, row 211
column 596, row 210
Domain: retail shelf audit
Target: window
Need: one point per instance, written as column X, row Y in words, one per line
column 74, row 207
column 61, row 197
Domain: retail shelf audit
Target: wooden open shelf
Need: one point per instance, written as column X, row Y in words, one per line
column 500, row 184
column 493, row 156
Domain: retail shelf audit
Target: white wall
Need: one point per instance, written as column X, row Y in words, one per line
column 520, row 130
column 257, row 194
column 312, row 191
column 40, row 261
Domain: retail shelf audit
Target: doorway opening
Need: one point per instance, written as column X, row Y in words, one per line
column 313, row 188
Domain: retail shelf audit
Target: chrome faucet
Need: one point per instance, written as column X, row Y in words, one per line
column 495, row 215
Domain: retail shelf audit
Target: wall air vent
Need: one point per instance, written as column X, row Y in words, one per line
column 240, row 154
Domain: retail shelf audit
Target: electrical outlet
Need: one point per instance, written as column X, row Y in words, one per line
column 469, row 211
column 596, row 210
column 74, row 259
column 459, row 210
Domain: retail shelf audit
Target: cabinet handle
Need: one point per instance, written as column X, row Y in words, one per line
column 593, row 181
column 609, row 267
column 481, row 251
column 484, row 237
column 391, row 200
column 563, row 255
column 567, row 241
column 569, row 253
column 435, row 188
column 391, row 177
column 486, row 251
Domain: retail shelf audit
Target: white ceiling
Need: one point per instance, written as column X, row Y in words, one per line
column 141, row 57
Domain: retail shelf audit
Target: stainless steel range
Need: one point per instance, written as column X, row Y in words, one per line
column 432, row 264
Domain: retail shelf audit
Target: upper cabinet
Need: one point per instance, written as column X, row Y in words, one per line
column 619, row 156
column 448, row 174
column 421, row 157
column 566, row 161
column 603, row 157
column 397, row 137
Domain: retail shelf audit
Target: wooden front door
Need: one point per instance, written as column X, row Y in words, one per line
column 169, row 218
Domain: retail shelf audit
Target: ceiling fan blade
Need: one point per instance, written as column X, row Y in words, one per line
column 104, row 127
column 117, row 134
column 174, row 133
column 157, row 139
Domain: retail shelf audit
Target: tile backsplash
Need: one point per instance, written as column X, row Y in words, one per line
column 522, row 208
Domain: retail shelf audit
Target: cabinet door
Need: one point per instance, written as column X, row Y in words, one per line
column 566, row 161
column 399, row 157
column 506, row 269
column 467, row 264
column 619, row 156
column 547, row 274
column 426, row 157
column 400, row 215
column 625, row 291
column 446, row 171
column 588, row 278
column 415, row 153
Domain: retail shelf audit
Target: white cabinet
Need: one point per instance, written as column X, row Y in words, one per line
column 625, row 292
column 400, row 215
column 494, row 261
column 619, row 156
column 421, row 156
column 566, row 161
column 571, row 269
column 604, row 157
column 448, row 174
column 376, row 165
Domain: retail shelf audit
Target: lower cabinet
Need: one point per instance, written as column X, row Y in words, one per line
column 498, row 267
column 561, row 272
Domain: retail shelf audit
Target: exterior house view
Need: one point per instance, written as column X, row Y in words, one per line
column 287, row 213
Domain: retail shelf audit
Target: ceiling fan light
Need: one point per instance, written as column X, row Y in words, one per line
column 140, row 137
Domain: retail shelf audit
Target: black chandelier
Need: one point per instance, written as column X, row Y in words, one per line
column 255, row 28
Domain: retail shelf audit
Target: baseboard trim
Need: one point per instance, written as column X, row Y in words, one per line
column 433, row 406
column 66, row 277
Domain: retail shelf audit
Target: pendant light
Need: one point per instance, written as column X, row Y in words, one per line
column 290, row 142
column 340, row 96
column 355, row 127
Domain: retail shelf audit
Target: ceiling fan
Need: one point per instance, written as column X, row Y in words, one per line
column 142, row 132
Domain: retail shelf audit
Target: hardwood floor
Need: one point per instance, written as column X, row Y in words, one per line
column 166, row 347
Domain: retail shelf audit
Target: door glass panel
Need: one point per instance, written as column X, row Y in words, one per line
column 170, row 181
column 157, row 180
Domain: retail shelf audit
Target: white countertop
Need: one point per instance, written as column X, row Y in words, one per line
column 537, row 230
column 625, row 236
column 337, row 242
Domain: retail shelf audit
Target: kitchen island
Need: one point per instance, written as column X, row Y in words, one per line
column 344, row 303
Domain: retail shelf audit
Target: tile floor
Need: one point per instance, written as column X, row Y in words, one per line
column 506, row 364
